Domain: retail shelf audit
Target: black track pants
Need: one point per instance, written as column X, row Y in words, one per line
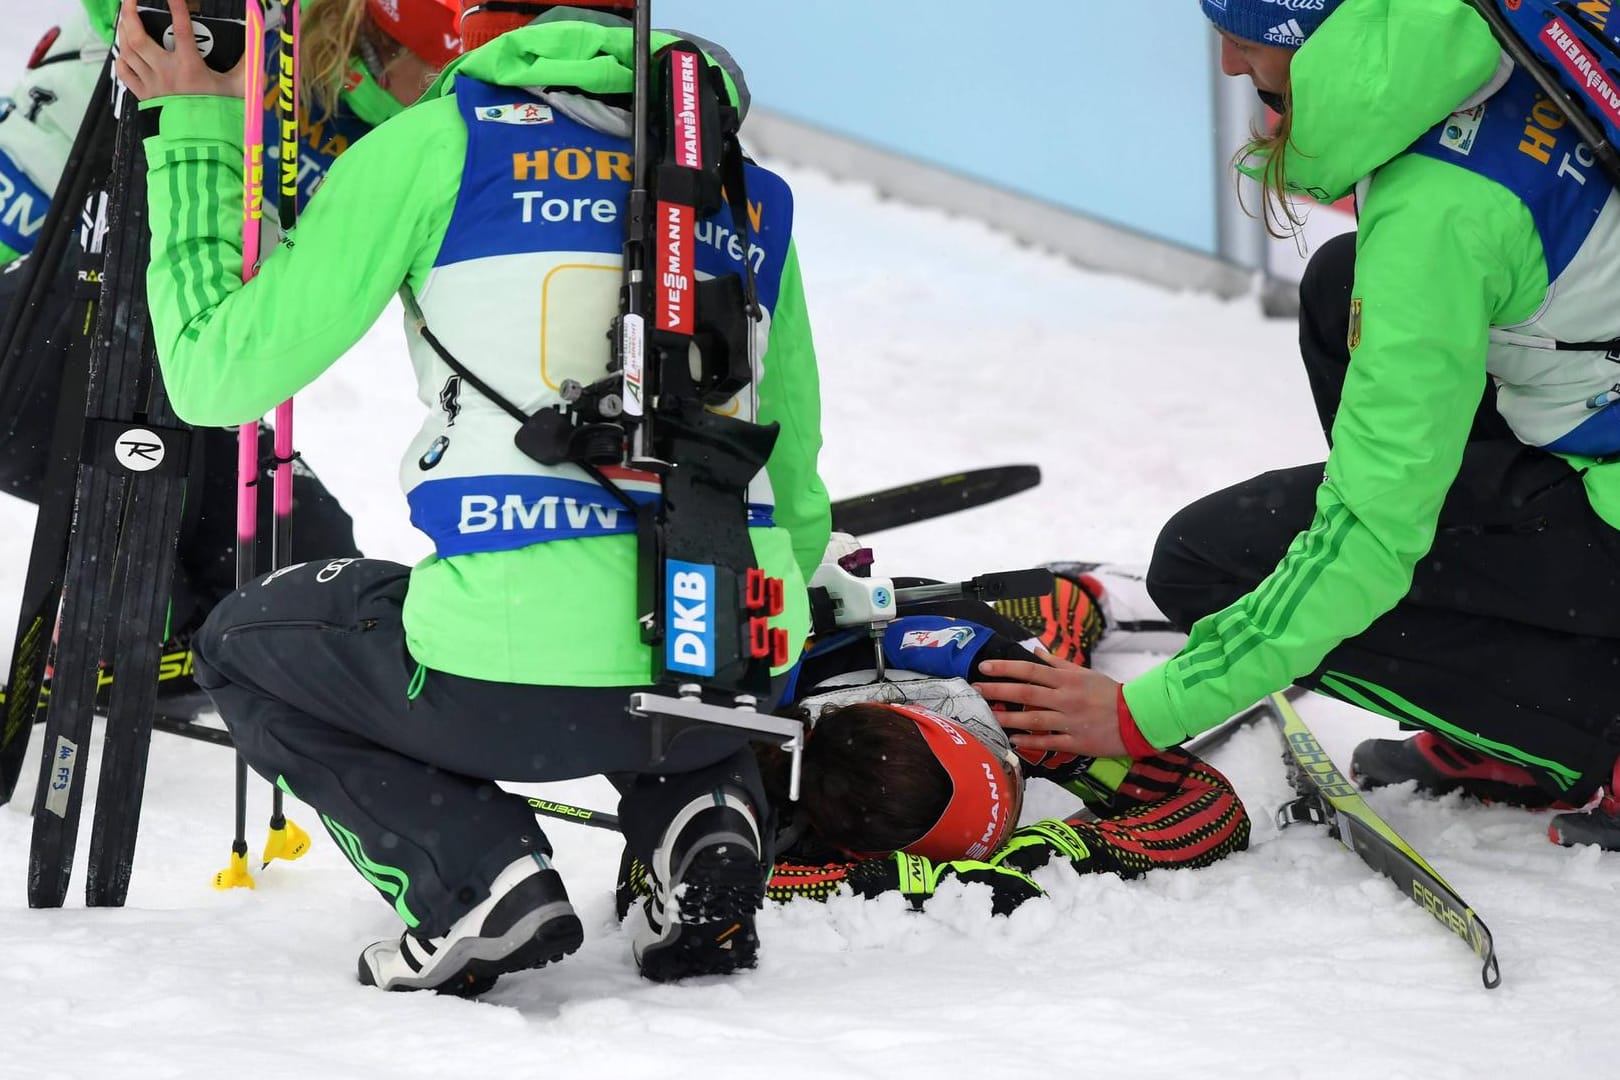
column 310, row 672
column 1509, row 640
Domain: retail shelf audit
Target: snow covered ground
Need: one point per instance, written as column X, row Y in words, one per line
column 944, row 346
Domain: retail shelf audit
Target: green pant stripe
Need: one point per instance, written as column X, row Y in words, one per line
column 389, row 880
column 1378, row 699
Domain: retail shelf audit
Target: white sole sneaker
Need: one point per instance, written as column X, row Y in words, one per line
column 702, row 922
column 525, row 922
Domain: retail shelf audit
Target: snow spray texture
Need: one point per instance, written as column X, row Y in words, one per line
column 1519, row 139
column 543, row 200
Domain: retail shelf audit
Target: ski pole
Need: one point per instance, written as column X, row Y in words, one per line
column 247, row 436
column 286, row 839
column 579, row 815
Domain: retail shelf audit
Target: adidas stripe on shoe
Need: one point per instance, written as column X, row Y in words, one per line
column 525, row 922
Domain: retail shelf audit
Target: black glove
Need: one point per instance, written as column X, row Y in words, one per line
column 917, row 878
column 1032, row 847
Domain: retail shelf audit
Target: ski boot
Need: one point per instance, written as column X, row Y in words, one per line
column 1599, row 825
column 1440, row 766
column 1068, row 621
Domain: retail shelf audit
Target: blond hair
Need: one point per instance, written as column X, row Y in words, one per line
column 329, row 35
column 1265, row 158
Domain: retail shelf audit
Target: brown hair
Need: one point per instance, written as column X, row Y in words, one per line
column 330, row 34
column 1270, row 150
column 871, row 783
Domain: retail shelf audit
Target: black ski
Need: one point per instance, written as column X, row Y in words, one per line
column 127, row 512
column 51, row 266
column 862, row 515
column 1327, row 798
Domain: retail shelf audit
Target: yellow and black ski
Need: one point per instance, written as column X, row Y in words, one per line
column 1327, row 798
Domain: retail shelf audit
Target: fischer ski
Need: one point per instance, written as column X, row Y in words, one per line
column 862, row 515
column 1327, row 798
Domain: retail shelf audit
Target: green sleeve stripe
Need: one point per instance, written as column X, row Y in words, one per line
column 1378, row 699
column 200, row 277
column 1230, row 624
column 1332, row 527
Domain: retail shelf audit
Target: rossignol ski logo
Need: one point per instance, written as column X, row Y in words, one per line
column 199, row 30
column 689, row 602
column 941, row 638
column 1585, row 69
column 139, row 450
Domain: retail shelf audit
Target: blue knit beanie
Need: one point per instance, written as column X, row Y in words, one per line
column 1284, row 23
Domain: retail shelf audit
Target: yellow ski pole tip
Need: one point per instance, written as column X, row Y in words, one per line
column 236, row 875
column 288, row 842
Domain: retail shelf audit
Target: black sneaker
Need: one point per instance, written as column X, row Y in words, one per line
column 1440, row 766
column 707, row 882
column 525, row 922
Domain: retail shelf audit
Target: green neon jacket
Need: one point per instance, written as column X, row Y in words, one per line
column 1442, row 254
column 556, row 613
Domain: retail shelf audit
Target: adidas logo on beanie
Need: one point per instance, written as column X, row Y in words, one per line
column 1283, row 23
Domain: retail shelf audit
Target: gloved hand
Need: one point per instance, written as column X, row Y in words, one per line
column 1032, row 847
column 917, row 878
